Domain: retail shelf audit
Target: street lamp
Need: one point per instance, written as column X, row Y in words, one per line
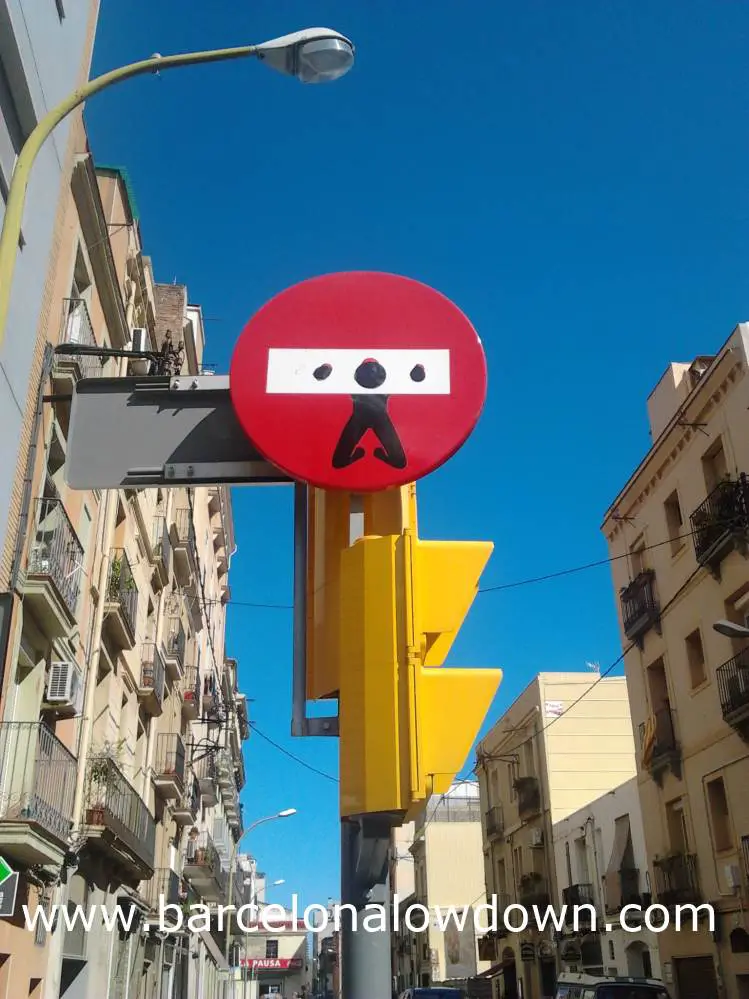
column 284, row 814
column 314, row 55
column 730, row 629
column 250, row 976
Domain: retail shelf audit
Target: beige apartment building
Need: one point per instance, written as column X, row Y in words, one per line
column 121, row 722
column 601, row 861
column 564, row 742
column 275, row 957
column 679, row 534
column 447, row 870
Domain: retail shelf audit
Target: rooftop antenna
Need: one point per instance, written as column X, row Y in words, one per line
column 594, row 667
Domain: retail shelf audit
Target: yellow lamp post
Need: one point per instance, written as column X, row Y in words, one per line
column 314, row 55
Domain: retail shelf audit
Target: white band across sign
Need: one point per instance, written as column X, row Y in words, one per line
column 350, row 371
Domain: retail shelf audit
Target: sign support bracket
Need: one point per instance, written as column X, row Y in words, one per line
column 301, row 724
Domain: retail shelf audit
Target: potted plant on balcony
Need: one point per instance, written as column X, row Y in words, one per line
column 100, row 775
column 116, row 584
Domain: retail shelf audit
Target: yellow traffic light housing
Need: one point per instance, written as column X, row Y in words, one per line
column 328, row 531
column 406, row 725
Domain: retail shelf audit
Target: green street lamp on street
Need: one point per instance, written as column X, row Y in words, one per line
column 314, row 55
column 284, row 814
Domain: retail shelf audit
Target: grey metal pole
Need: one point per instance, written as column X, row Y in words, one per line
column 365, row 954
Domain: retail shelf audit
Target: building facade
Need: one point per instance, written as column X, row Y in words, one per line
column 601, row 861
column 565, row 741
column 447, row 871
column 275, row 956
column 121, row 722
column 45, row 53
column 678, row 533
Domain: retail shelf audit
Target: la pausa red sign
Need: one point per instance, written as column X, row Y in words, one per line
column 272, row 963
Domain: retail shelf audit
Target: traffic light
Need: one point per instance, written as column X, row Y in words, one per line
column 329, row 534
column 406, row 724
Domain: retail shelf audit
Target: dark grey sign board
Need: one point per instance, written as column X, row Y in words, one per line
column 8, row 892
column 146, row 432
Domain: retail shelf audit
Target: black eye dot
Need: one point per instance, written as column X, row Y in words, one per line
column 418, row 374
column 322, row 372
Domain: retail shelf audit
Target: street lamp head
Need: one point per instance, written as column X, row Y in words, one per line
column 286, row 813
column 315, row 55
column 730, row 629
column 280, row 881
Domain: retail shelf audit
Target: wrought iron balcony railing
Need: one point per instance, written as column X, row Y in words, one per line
column 161, row 542
column 658, row 740
column 37, row 777
column 575, row 896
column 169, row 759
column 733, row 688
column 640, row 609
column 533, row 889
column 190, row 688
column 676, row 881
column 176, row 641
column 721, row 520
column 621, row 888
column 152, row 671
column 114, row 804
column 122, row 590
column 166, row 885
column 78, row 329
column 201, row 859
column 529, row 796
column 495, row 822
column 56, row 552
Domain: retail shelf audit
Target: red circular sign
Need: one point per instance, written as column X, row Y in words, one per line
column 358, row 381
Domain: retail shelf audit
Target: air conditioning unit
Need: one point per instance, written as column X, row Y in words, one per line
column 64, row 686
column 139, row 343
column 537, row 837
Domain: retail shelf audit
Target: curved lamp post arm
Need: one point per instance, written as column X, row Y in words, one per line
column 232, row 862
column 11, row 229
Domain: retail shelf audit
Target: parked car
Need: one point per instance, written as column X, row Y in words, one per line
column 578, row 986
column 435, row 992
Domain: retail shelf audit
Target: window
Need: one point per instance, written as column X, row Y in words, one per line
column 674, row 522
column 637, row 557
column 494, row 798
column 612, row 952
column 528, row 764
column 512, row 776
column 677, row 826
column 581, row 861
column 720, row 820
column 501, row 878
column 271, row 948
column 695, row 658
column 517, row 854
column 714, row 465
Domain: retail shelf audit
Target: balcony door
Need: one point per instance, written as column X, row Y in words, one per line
column 676, row 823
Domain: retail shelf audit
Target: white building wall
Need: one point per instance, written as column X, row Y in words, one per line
column 595, row 823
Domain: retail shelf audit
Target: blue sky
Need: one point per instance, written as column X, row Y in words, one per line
column 572, row 175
